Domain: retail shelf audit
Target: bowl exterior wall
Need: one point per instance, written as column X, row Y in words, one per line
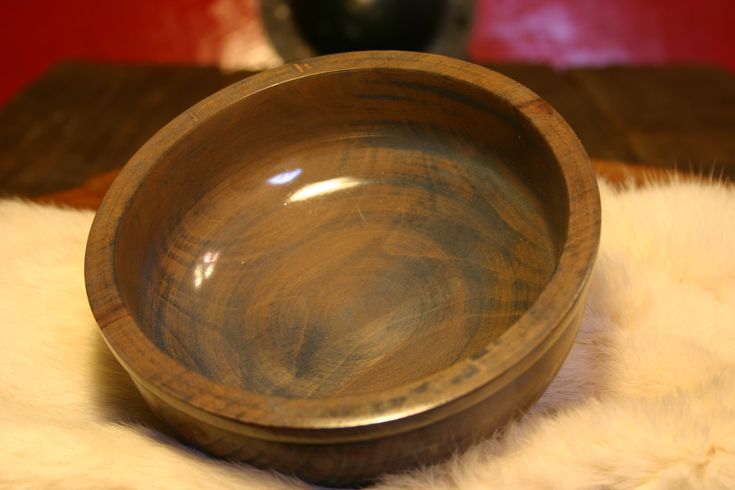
column 360, row 462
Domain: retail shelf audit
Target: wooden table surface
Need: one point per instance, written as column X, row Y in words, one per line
column 80, row 122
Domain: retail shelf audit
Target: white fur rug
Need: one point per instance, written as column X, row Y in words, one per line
column 646, row 399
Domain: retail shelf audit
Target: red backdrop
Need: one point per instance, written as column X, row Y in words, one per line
column 597, row 32
column 36, row 33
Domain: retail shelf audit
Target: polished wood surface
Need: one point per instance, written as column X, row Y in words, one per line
column 335, row 267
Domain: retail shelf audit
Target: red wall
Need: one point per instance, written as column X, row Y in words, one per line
column 36, row 33
column 597, row 32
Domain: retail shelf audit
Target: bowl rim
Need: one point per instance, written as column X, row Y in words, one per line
column 365, row 416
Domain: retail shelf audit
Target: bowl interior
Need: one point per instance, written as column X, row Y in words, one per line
column 342, row 233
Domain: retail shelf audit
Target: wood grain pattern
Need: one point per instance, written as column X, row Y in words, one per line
column 331, row 264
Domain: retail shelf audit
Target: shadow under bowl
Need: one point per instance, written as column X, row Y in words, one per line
column 349, row 265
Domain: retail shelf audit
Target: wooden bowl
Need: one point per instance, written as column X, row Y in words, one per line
column 349, row 265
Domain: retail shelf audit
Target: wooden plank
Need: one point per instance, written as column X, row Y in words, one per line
column 681, row 117
column 81, row 119
column 600, row 138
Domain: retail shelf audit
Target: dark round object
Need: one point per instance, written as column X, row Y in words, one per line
column 333, row 26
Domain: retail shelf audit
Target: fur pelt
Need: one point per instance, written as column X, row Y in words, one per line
column 646, row 398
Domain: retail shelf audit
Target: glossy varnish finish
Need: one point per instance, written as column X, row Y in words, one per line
column 350, row 265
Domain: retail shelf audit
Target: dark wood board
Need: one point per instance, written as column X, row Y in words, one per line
column 681, row 117
column 81, row 119
column 601, row 139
